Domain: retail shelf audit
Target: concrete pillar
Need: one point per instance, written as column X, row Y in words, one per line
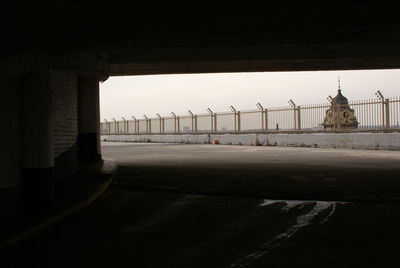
column 37, row 160
column 89, row 120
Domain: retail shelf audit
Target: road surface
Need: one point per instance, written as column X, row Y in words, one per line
column 181, row 205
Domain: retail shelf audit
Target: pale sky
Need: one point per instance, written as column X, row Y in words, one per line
column 151, row 94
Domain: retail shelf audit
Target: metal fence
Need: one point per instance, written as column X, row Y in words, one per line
column 381, row 114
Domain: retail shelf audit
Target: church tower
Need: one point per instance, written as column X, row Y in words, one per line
column 340, row 115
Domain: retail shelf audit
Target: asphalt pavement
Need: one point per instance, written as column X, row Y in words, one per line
column 182, row 205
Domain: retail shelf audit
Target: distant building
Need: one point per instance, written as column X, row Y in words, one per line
column 340, row 115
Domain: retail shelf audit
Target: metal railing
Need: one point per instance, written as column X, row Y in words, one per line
column 380, row 114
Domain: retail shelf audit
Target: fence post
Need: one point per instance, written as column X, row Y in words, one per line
column 234, row 117
column 266, row 119
column 387, row 113
column 107, row 126
column 195, row 123
column 115, row 126
column 293, row 105
column 124, row 122
column 147, row 123
column 298, row 118
column 215, row 122
column 239, row 123
column 178, row 124
column 383, row 114
column 174, row 115
column 150, row 125
column 212, row 118
column 159, row 121
column 192, row 119
column 262, row 120
column 134, row 123
column 259, row 106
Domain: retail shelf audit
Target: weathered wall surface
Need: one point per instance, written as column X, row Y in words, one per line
column 371, row 141
column 65, row 102
column 65, row 113
column 9, row 135
column 201, row 138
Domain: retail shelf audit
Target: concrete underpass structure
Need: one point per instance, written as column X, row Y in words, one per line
column 50, row 78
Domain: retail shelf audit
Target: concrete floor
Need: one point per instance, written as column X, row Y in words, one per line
column 177, row 205
column 267, row 172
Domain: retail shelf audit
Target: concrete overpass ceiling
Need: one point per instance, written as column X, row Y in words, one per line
column 177, row 37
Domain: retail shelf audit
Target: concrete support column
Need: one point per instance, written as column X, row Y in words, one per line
column 37, row 159
column 89, row 120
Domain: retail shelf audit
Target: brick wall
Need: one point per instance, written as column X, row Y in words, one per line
column 65, row 114
column 65, row 103
column 9, row 135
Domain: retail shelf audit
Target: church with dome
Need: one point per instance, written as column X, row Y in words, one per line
column 340, row 115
